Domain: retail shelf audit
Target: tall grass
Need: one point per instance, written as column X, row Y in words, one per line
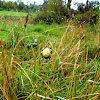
column 73, row 73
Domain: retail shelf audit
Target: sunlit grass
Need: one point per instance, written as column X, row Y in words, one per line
column 13, row 13
column 72, row 74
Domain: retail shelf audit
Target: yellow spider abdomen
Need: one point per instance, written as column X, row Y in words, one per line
column 46, row 52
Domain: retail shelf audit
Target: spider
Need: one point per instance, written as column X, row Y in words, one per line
column 46, row 54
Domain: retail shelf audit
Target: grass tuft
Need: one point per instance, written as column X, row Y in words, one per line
column 72, row 74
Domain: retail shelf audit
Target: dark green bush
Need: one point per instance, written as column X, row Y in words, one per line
column 87, row 17
column 47, row 17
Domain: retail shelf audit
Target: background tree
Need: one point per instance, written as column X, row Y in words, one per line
column 21, row 5
column 87, row 6
column 44, row 6
column 1, row 4
column 88, row 13
column 56, row 6
column 81, row 7
column 93, row 5
column 69, row 4
column 10, row 5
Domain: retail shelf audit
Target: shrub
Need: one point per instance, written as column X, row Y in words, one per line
column 47, row 17
column 87, row 17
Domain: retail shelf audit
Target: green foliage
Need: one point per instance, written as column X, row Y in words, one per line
column 88, row 12
column 50, row 17
column 87, row 17
column 47, row 17
column 41, row 22
column 56, row 11
column 52, row 11
column 72, row 74
column 69, row 4
column 1, row 9
column 90, row 5
column 37, row 29
column 19, row 5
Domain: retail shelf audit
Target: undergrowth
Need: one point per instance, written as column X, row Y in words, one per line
column 73, row 73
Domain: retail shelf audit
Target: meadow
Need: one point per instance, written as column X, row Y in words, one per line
column 73, row 73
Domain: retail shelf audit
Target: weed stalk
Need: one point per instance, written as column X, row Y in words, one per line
column 6, row 78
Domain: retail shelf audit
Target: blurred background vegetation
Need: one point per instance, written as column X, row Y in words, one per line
column 56, row 10
column 73, row 35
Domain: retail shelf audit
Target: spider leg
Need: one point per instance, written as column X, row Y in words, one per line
column 42, row 59
column 49, row 57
